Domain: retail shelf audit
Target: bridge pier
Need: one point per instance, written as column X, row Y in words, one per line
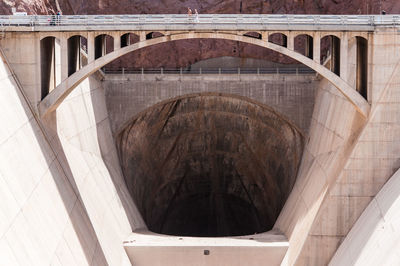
column 117, row 40
column 90, row 44
column 264, row 36
column 64, row 58
column 290, row 41
column 142, row 36
column 317, row 47
column 344, row 47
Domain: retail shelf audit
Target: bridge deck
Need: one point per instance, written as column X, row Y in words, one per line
column 205, row 22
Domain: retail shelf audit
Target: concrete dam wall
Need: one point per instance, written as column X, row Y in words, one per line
column 72, row 190
column 63, row 198
column 291, row 95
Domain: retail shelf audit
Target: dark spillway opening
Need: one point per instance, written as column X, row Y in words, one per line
column 209, row 165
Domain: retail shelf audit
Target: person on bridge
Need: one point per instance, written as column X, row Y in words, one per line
column 189, row 13
column 196, row 15
column 58, row 17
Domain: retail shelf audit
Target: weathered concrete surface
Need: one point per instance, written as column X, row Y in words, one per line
column 55, row 98
column 62, row 197
column 332, row 138
column 372, row 162
column 146, row 248
column 46, row 218
column 292, row 96
column 209, row 165
column 374, row 238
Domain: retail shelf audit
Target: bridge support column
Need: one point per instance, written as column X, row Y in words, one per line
column 57, row 56
column 90, row 44
column 290, row 41
column 142, row 36
column 117, row 41
column 265, row 35
column 317, row 47
column 64, row 58
column 344, row 45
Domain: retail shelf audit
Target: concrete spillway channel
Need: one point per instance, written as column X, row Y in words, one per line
column 210, row 165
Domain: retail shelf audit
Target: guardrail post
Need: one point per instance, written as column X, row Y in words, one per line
column 238, row 70
column 200, row 72
column 277, row 70
column 123, row 71
column 162, row 71
column 219, row 71
column 180, row 71
column 258, row 71
column 142, row 71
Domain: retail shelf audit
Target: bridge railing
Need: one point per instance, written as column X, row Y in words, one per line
column 212, row 71
column 263, row 19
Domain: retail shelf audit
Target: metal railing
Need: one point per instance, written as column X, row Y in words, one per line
column 164, row 20
column 212, row 71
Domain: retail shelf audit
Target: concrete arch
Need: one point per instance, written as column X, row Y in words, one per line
column 126, row 38
column 297, row 34
column 44, row 36
column 282, row 36
column 307, row 41
column 154, row 34
column 286, row 33
column 253, row 34
column 339, row 35
column 55, row 98
column 352, row 34
column 361, row 35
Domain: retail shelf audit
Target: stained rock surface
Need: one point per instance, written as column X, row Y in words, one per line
column 210, row 165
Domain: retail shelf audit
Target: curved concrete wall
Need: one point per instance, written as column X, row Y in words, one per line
column 374, row 238
column 62, row 200
column 332, row 137
column 373, row 160
column 232, row 160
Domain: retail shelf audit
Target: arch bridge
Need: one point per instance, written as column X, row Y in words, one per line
column 105, row 38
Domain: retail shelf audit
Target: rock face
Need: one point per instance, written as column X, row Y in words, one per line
column 185, row 53
column 210, row 165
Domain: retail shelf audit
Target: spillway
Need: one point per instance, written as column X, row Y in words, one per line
column 210, row 165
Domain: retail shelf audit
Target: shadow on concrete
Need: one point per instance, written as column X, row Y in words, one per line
column 80, row 221
column 110, row 158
